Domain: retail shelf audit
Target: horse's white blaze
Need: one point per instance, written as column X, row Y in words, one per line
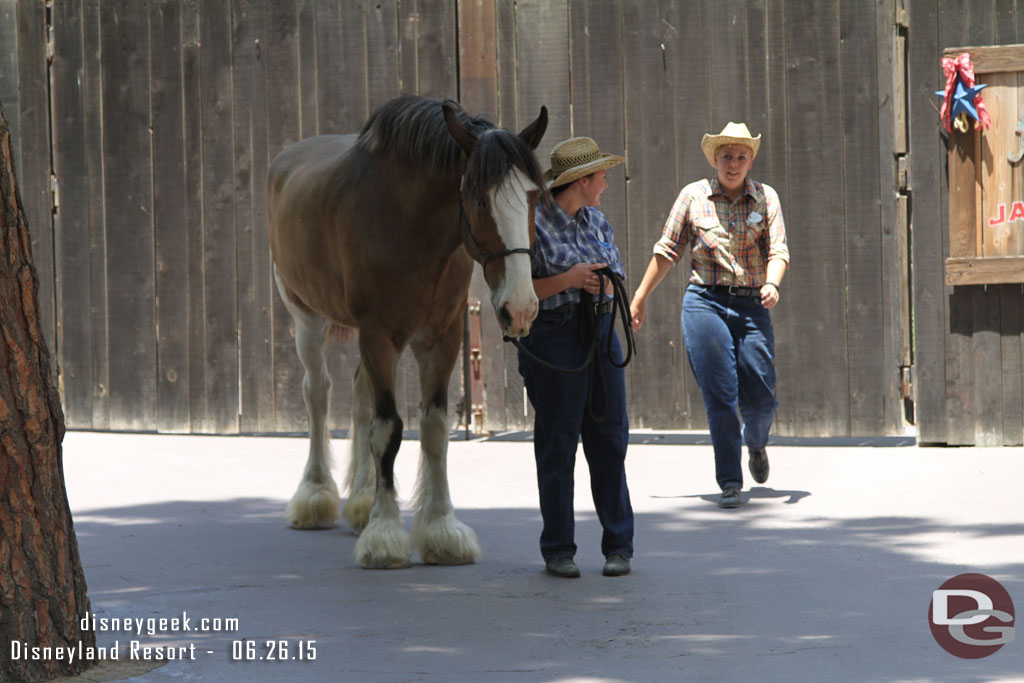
column 511, row 208
column 439, row 537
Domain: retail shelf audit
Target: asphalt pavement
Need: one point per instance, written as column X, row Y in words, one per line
column 824, row 574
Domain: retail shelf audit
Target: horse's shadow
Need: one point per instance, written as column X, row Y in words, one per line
column 759, row 492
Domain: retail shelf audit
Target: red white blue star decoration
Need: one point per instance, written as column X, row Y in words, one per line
column 961, row 96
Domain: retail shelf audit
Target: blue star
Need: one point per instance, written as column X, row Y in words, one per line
column 963, row 99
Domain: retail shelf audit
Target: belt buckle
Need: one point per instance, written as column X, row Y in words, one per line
column 734, row 290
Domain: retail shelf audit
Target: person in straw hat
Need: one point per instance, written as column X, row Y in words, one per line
column 736, row 236
column 574, row 240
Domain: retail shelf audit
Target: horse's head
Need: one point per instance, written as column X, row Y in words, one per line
column 500, row 189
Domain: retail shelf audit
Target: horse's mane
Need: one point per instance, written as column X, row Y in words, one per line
column 413, row 128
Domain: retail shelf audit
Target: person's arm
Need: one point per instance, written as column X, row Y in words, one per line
column 778, row 250
column 581, row 276
column 656, row 271
column 770, row 290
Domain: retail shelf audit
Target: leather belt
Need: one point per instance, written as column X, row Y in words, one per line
column 733, row 290
column 599, row 309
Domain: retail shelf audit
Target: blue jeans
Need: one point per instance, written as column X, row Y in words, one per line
column 731, row 347
column 562, row 417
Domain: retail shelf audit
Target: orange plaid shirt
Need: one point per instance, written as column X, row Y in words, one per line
column 730, row 242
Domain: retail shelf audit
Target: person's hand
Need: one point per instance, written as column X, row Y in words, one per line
column 637, row 311
column 769, row 295
column 582, row 275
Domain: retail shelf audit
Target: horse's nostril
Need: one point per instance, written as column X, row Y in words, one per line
column 504, row 317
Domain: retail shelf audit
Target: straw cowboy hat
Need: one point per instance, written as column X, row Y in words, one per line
column 732, row 134
column 575, row 158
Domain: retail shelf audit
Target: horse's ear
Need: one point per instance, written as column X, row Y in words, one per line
column 465, row 139
column 535, row 131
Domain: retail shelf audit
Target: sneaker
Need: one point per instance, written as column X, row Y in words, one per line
column 562, row 567
column 616, row 565
column 730, row 498
column 758, row 465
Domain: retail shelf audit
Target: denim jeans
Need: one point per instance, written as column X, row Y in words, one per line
column 731, row 347
column 562, row 417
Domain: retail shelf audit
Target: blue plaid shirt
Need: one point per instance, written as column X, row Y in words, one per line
column 564, row 241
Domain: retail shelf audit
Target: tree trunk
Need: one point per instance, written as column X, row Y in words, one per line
column 42, row 586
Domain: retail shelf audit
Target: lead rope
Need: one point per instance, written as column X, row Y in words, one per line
column 620, row 305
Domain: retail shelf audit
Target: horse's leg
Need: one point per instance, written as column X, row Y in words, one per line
column 438, row 536
column 315, row 503
column 384, row 543
column 361, row 474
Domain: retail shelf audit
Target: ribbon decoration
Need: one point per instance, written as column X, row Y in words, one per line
column 961, row 96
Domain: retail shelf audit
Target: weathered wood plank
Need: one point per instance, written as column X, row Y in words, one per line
column 478, row 94
column 1011, row 302
column 428, row 48
column 341, row 97
column 654, row 74
column 253, row 284
column 816, row 287
column 9, row 74
column 92, row 94
column 504, row 406
column 193, row 227
column 963, row 210
column 281, row 90
column 727, row 90
column 169, row 202
column 979, row 271
column 308, row 108
column 72, row 225
column 997, row 174
column 33, row 167
column 869, row 392
column 988, row 59
column 220, row 275
column 894, row 218
column 986, row 355
column 128, row 195
column 959, row 26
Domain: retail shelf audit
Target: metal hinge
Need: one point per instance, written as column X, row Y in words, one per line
column 476, row 378
column 906, row 381
column 902, row 174
column 902, row 20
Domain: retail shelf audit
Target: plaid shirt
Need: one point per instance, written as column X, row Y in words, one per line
column 564, row 241
column 730, row 242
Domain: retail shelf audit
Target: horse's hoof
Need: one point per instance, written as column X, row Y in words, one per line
column 384, row 544
column 357, row 510
column 446, row 541
column 314, row 506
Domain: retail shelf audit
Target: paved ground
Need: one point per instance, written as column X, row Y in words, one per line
column 825, row 574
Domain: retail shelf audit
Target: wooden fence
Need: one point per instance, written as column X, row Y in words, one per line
column 165, row 114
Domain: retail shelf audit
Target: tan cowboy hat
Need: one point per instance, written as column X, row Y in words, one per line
column 575, row 158
column 732, row 134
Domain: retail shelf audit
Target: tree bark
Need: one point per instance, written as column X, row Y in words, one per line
column 42, row 585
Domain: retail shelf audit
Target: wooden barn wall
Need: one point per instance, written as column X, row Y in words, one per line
column 167, row 112
column 969, row 344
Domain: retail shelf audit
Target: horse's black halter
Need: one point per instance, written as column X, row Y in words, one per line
column 486, row 256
